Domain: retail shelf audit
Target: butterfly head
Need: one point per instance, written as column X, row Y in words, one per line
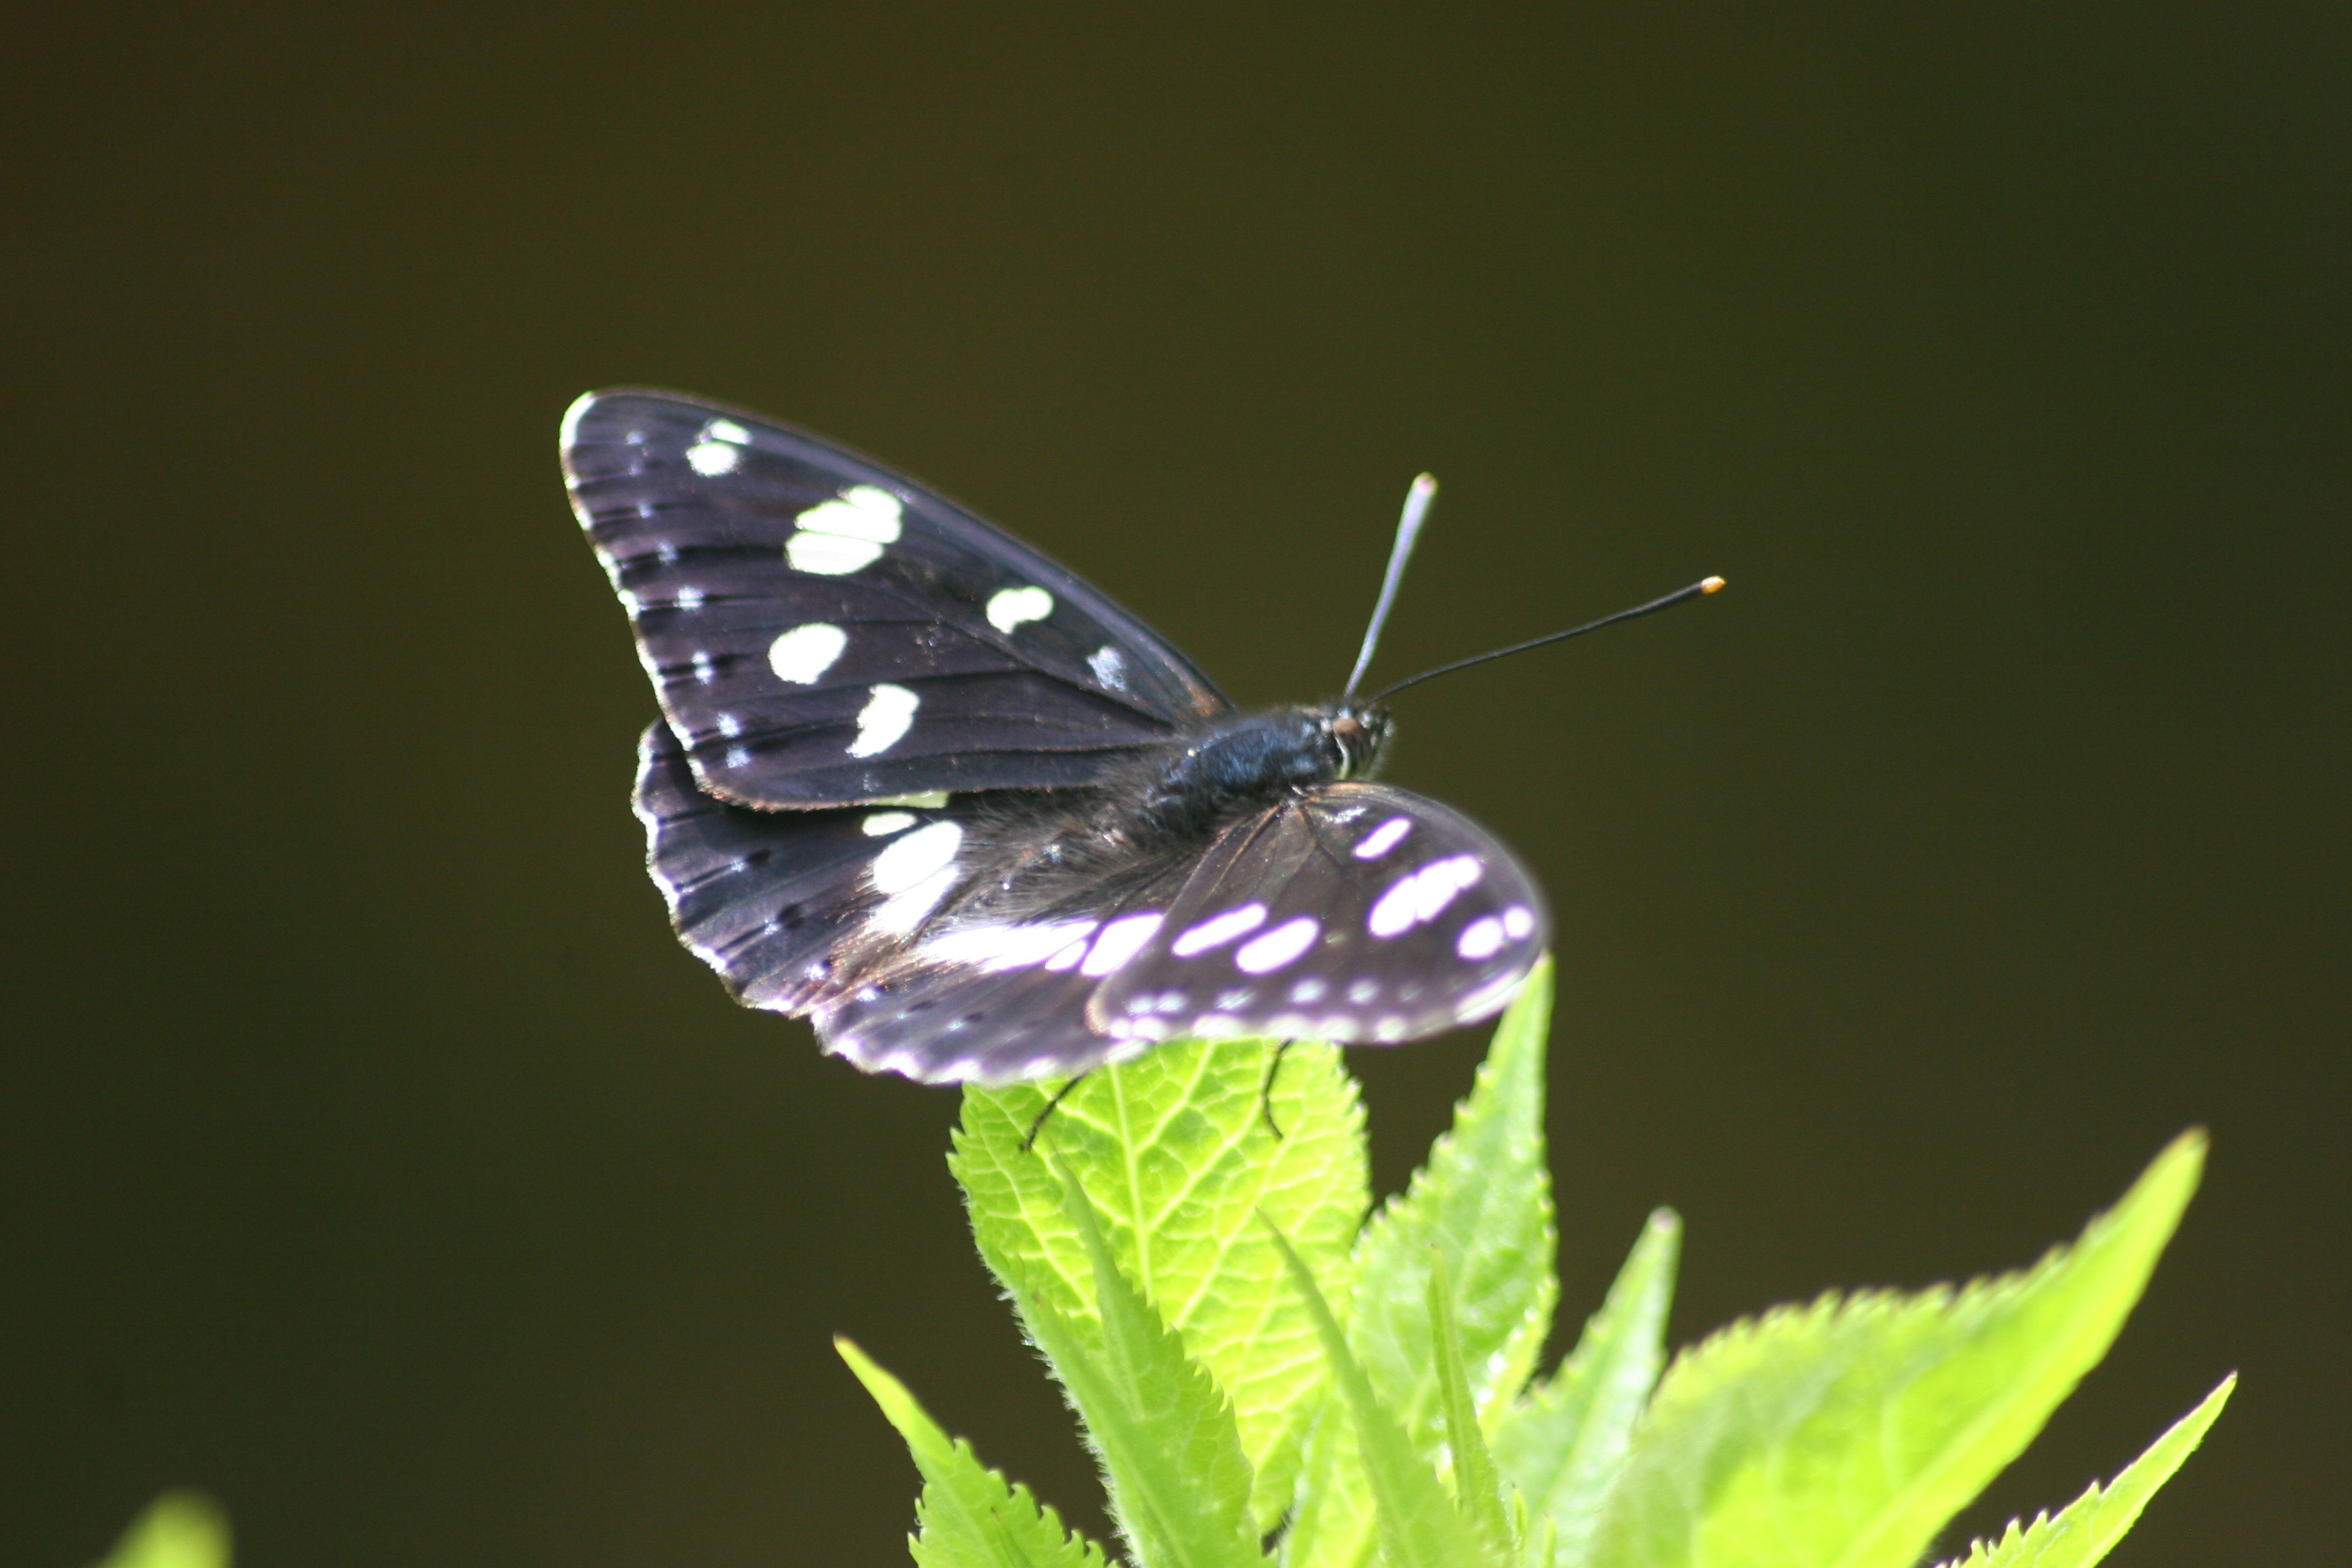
column 1358, row 734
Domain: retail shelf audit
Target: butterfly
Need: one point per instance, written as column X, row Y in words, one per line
column 920, row 785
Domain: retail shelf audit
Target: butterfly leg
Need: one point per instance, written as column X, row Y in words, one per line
column 1265, row 1094
column 1029, row 1139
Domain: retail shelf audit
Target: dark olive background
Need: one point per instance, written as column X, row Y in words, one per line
column 369, row 1153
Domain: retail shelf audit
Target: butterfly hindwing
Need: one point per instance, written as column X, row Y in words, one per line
column 993, row 1002
column 770, row 899
column 1357, row 912
column 795, row 910
column 822, row 631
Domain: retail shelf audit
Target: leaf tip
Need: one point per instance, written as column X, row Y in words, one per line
column 182, row 1529
column 2168, row 1184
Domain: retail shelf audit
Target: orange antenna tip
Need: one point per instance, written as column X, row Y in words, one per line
column 1710, row 586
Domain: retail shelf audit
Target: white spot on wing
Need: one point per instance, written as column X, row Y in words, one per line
column 712, row 458
column 1422, row 895
column 805, row 652
column 1519, row 919
column 1277, row 947
column 914, row 859
column 727, row 430
column 829, row 554
column 1110, row 666
column 1010, row 607
column 915, row 872
column 861, row 512
column 1218, row 929
column 888, row 713
column 1120, row 941
column 882, row 824
column 837, row 537
column 688, row 599
column 1481, row 939
column 1383, row 838
column 1307, row 991
column 998, row 948
column 902, row 912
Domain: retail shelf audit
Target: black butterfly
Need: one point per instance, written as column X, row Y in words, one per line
column 918, row 782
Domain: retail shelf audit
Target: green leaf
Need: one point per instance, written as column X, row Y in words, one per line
column 178, row 1529
column 1179, row 1485
column 1484, row 1199
column 971, row 1517
column 1846, row 1433
column 1418, row 1524
column 1174, row 1149
column 1477, row 1493
column 1563, row 1443
column 1539, row 1543
column 2089, row 1527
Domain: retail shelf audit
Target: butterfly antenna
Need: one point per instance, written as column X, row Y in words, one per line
column 1679, row 596
column 1416, row 510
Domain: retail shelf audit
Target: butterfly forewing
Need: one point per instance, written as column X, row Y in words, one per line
column 822, row 631
column 1357, row 912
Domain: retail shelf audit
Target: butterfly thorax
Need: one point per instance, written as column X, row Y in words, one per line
column 1039, row 858
column 1245, row 762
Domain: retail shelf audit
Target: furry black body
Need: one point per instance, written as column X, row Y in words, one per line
column 1044, row 854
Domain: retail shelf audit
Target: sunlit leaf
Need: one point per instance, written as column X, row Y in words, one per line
column 1846, row 1433
column 1563, row 1443
column 1477, row 1492
column 1179, row 1483
column 2089, row 1527
column 1415, row 1522
column 969, row 1516
column 1485, row 1200
column 178, row 1529
column 1176, row 1153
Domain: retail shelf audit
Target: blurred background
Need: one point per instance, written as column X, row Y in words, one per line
column 370, row 1154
